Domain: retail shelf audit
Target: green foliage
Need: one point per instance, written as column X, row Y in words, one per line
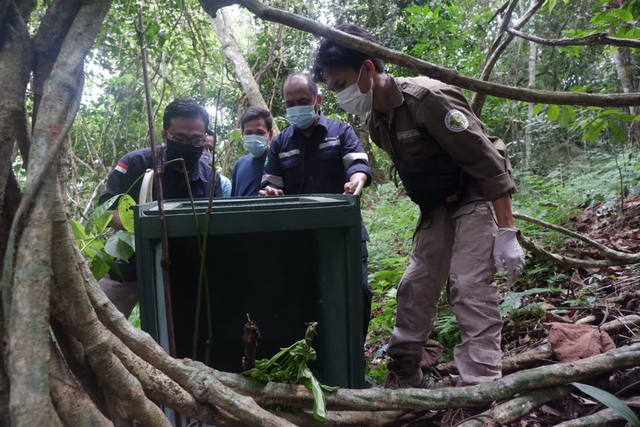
column 512, row 301
column 610, row 401
column 125, row 212
column 93, row 243
column 290, row 366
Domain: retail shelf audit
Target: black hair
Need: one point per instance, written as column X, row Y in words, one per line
column 333, row 54
column 313, row 87
column 253, row 113
column 184, row 107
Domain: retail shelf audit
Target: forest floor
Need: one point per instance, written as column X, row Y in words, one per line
column 576, row 301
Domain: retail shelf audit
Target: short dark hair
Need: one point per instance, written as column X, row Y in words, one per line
column 184, row 107
column 253, row 113
column 313, row 87
column 333, row 54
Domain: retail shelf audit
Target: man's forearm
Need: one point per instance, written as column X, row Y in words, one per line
column 502, row 207
column 116, row 222
column 359, row 176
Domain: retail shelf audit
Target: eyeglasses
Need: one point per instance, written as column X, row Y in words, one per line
column 196, row 141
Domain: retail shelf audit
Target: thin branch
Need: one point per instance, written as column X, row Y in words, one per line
column 605, row 251
column 590, row 40
column 478, row 99
column 562, row 260
column 506, row 19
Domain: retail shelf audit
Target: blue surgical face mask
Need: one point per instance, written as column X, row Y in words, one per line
column 207, row 157
column 256, row 144
column 302, row 116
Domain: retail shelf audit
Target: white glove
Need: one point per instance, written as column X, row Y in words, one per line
column 508, row 254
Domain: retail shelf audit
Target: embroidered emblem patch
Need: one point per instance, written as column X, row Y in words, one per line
column 408, row 134
column 455, row 121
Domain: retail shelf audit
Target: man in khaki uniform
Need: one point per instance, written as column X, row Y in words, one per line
column 461, row 179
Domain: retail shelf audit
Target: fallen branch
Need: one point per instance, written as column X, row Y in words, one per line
column 603, row 418
column 344, row 418
column 590, row 40
column 438, row 399
column 602, row 249
column 511, row 364
column 520, row 406
column 562, row 260
column 623, row 322
column 443, row 74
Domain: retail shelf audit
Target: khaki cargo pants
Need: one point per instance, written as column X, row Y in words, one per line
column 454, row 248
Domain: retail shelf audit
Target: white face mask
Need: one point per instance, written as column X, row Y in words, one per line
column 355, row 102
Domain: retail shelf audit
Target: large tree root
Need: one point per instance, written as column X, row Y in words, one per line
column 70, row 400
column 437, row 399
column 194, row 377
column 603, row 418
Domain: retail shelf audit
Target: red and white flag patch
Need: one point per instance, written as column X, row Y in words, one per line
column 122, row 167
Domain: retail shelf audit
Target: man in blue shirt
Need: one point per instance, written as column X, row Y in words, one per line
column 207, row 155
column 257, row 131
column 316, row 155
column 184, row 129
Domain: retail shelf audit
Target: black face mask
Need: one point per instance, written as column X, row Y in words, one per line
column 188, row 152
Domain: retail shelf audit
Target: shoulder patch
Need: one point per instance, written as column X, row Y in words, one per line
column 122, row 167
column 414, row 90
column 455, row 121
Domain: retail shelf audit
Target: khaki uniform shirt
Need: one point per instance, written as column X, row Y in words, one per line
column 427, row 116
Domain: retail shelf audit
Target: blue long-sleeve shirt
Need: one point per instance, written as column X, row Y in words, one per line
column 247, row 176
column 321, row 163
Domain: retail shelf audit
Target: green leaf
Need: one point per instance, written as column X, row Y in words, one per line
column 78, row 231
column 552, row 4
column 553, row 112
column 609, row 400
column 618, row 133
column 623, row 14
column 565, row 117
column 100, row 217
column 98, row 267
column 319, row 403
column 120, row 245
column 537, row 109
column 108, row 260
column 125, row 212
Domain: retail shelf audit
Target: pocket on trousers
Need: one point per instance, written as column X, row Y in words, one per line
column 485, row 356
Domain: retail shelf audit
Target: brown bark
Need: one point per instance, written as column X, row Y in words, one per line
column 443, row 74
column 233, row 54
column 613, row 257
column 478, row 99
column 597, row 39
column 16, row 55
column 70, row 400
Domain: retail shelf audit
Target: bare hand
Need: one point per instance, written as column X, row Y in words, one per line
column 270, row 191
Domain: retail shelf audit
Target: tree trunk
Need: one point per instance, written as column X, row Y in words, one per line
column 622, row 62
column 233, row 54
column 528, row 139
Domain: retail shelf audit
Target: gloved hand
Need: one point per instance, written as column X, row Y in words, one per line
column 508, row 254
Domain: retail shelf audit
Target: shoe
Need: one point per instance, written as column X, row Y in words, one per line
column 404, row 375
column 456, row 416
